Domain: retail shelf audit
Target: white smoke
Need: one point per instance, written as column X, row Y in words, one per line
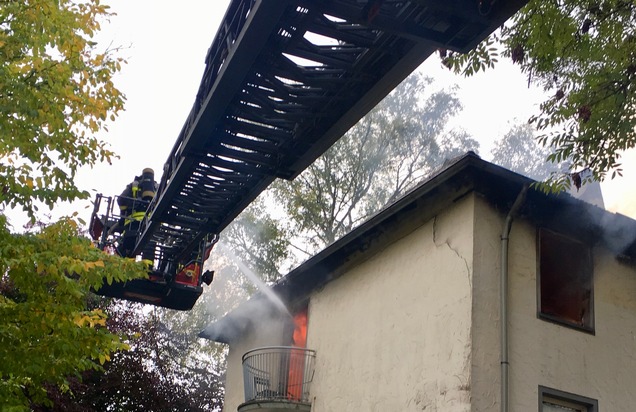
column 228, row 293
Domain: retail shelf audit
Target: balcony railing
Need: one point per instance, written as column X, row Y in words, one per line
column 278, row 373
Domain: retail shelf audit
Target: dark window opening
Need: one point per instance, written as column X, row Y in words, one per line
column 296, row 379
column 565, row 281
column 299, row 336
column 552, row 400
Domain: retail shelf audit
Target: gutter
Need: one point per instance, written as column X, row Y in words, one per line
column 503, row 297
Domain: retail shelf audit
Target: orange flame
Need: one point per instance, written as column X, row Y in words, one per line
column 299, row 339
column 297, row 358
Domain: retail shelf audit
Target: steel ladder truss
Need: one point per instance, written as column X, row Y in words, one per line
column 167, row 285
column 284, row 80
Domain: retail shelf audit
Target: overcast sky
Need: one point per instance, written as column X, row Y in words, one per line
column 165, row 44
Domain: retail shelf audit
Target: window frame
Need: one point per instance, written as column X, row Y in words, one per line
column 546, row 394
column 587, row 249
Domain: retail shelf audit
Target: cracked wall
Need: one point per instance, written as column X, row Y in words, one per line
column 393, row 333
column 416, row 326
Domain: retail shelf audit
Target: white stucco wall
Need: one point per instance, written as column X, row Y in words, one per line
column 485, row 374
column 234, row 394
column 416, row 327
column 393, row 334
column 600, row 366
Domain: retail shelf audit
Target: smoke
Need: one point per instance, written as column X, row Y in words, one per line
column 229, row 293
column 618, row 233
column 257, row 314
column 255, row 279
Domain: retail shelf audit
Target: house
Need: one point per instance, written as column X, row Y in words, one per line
column 405, row 312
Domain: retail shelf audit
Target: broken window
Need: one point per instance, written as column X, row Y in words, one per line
column 565, row 281
column 552, row 400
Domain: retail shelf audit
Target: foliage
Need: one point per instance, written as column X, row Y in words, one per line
column 584, row 54
column 519, row 151
column 259, row 240
column 388, row 151
column 46, row 332
column 163, row 371
column 56, row 90
column 193, row 364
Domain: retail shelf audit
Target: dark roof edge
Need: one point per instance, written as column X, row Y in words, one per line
column 458, row 177
column 455, row 179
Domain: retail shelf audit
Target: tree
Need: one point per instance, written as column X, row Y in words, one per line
column 163, row 371
column 400, row 141
column 191, row 367
column 259, row 240
column 520, row 151
column 583, row 53
column 56, row 91
column 46, row 332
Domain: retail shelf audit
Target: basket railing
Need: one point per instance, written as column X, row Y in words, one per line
column 278, row 373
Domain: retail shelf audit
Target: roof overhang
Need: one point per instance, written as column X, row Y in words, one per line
column 459, row 177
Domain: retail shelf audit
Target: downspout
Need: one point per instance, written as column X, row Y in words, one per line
column 503, row 296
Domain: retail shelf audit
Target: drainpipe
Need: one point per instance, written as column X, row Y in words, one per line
column 503, row 296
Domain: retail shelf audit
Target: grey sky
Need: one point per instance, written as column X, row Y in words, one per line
column 165, row 44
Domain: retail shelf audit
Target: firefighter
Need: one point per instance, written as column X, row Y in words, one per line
column 133, row 203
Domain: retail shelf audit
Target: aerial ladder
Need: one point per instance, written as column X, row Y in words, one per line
column 283, row 81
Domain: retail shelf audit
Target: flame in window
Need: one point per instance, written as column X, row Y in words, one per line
column 299, row 338
column 297, row 358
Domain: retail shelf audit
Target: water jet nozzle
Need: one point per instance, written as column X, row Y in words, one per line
column 207, row 277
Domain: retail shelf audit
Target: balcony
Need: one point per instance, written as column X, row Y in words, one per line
column 277, row 378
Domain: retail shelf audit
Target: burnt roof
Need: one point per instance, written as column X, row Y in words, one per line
column 457, row 178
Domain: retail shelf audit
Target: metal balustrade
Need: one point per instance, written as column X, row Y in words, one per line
column 278, row 373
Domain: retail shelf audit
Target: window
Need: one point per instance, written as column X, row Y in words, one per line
column 552, row 400
column 565, row 281
column 297, row 361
